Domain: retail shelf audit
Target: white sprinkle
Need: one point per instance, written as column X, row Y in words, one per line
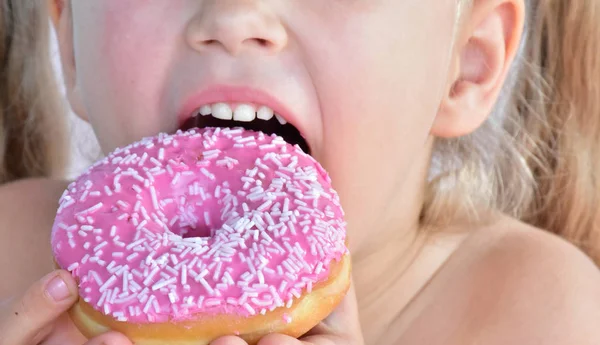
column 163, row 283
column 319, row 268
column 313, row 249
column 172, row 297
column 92, row 209
column 174, row 259
column 84, row 196
column 73, row 266
column 261, row 277
column 184, row 275
column 142, row 224
column 67, row 204
column 132, row 257
column 108, row 283
column 151, row 275
column 148, row 304
column 249, row 309
column 206, row 285
column 136, row 243
column 100, row 246
column 207, row 174
column 117, row 254
column 176, row 179
column 122, row 204
column 212, row 302
column 206, row 218
column 171, row 270
column 102, row 299
column 265, row 205
column 169, row 170
column 217, row 271
column 154, row 199
column 85, row 259
column 155, row 162
column 143, row 160
column 126, row 281
column 106, row 309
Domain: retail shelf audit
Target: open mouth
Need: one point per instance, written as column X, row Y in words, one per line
column 247, row 116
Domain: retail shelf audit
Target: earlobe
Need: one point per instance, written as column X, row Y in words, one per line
column 60, row 12
column 55, row 8
column 482, row 60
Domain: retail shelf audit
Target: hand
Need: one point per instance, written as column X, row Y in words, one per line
column 39, row 317
column 342, row 327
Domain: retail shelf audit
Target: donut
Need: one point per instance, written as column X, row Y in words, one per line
column 183, row 238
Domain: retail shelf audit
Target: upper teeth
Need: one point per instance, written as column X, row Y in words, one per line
column 241, row 112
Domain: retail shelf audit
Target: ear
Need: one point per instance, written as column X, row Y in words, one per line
column 61, row 16
column 485, row 48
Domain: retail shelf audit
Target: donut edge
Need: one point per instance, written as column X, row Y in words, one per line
column 305, row 314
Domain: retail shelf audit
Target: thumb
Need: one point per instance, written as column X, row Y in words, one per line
column 30, row 318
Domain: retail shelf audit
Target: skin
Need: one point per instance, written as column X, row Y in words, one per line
column 357, row 108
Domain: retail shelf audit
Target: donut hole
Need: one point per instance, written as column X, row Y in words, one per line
column 200, row 231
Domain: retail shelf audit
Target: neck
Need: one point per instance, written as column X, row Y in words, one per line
column 382, row 289
column 388, row 265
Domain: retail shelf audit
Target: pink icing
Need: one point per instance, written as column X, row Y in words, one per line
column 211, row 221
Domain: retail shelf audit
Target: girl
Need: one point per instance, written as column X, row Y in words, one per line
column 449, row 158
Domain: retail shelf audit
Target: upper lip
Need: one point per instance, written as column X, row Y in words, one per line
column 235, row 94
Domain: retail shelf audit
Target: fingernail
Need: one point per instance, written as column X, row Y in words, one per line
column 58, row 289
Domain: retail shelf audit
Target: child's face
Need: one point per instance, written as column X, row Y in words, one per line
column 362, row 78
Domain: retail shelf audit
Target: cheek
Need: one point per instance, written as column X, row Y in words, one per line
column 380, row 90
column 122, row 62
column 390, row 76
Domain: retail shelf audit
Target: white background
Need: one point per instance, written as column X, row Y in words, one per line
column 83, row 144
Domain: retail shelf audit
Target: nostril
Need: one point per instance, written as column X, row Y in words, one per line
column 262, row 42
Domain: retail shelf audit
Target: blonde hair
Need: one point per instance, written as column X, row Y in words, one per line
column 537, row 158
column 32, row 140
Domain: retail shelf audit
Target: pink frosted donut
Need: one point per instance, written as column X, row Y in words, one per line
column 201, row 234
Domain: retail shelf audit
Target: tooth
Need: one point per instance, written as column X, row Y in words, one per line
column 222, row 111
column 264, row 113
column 244, row 113
column 205, row 110
column 280, row 119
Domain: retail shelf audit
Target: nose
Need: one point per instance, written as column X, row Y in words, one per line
column 236, row 26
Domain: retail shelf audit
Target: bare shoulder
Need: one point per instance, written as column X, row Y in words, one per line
column 27, row 211
column 531, row 286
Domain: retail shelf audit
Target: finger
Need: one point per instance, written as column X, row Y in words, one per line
column 229, row 340
column 111, row 338
column 64, row 332
column 344, row 318
column 30, row 318
column 279, row 339
column 341, row 327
